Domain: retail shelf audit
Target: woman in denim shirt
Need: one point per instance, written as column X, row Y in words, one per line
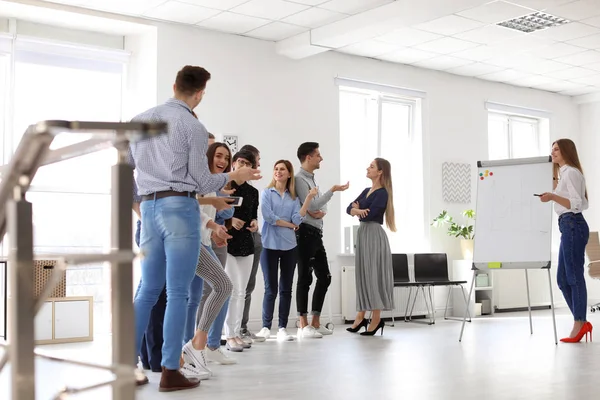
column 282, row 215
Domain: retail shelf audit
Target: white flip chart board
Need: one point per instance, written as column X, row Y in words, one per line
column 513, row 228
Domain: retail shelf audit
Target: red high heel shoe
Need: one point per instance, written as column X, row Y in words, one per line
column 585, row 329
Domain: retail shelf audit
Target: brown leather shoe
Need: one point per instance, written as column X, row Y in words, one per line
column 172, row 380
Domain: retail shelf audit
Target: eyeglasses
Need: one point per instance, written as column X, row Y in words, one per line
column 244, row 163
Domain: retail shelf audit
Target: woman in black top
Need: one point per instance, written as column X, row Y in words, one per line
column 373, row 257
column 240, row 249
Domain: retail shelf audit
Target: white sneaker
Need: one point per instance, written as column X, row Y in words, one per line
column 284, row 336
column 264, row 333
column 140, row 378
column 189, row 371
column 247, row 339
column 324, row 331
column 195, row 357
column 308, row 332
column 247, row 333
column 218, row 356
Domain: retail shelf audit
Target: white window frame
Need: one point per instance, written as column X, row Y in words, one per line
column 509, row 119
column 407, row 97
column 381, row 98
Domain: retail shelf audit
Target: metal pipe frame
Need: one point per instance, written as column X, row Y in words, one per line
column 462, row 290
column 430, row 312
column 17, row 217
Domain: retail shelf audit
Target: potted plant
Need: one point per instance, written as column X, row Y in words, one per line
column 463, row 231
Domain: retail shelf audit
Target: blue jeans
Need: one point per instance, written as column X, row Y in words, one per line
column 150, row 353
column 170, row 241
column 571, row 259
column 271, row 261
column 195, row 295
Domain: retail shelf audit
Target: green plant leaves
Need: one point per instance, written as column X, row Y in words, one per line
column 454, row 229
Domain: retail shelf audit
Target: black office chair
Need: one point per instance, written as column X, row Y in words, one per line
column 400, row 268
column 432, row 269
column 402, row 279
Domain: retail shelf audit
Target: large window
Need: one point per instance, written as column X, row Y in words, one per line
column 375, row 124
column 71, row 199
column 512, row 136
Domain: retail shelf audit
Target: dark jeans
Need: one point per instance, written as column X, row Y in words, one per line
column 571, row 259
column 311, row 258
column 271, row 261
column 252, row 282
column 151, row 351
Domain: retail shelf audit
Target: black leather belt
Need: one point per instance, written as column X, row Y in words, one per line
column 167, row 193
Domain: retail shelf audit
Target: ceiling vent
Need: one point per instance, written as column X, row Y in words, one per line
column 534, row 22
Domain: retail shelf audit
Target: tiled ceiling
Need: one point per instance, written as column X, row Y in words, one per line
column 464, row 39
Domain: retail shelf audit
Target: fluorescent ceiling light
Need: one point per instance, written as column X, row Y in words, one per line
column 534, row 22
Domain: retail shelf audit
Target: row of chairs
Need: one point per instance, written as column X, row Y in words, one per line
column 431, row 270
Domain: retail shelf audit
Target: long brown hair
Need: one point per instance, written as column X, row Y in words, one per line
column 568, row 151
column 291, row 182
column 210, row 155
column 385, row 179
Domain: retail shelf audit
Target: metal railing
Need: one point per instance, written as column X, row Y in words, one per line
column 16, row 217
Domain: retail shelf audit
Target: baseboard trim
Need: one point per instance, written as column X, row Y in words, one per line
column 516, row 309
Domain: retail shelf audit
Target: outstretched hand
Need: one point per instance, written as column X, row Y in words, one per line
column 246, row 174
column 340, row 188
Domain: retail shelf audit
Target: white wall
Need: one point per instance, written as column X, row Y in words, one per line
column 140, row 86
column 589, row 150
column 276, row 103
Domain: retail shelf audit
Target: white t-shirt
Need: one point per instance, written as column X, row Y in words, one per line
column 571, row 185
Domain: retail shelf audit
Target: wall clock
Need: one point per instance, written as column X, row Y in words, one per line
column 232, row 142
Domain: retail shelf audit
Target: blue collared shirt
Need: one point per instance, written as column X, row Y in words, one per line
column 175, row 161
column 276, row 207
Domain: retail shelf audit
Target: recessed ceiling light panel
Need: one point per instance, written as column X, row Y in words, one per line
column 534, row 22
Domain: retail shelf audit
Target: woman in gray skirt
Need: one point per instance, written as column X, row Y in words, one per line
column 373, row 260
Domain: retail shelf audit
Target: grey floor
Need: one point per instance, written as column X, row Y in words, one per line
column 497, row 359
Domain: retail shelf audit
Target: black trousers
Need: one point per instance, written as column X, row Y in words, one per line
column 311, row 258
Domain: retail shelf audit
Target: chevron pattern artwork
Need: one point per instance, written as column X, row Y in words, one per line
column 456, row 182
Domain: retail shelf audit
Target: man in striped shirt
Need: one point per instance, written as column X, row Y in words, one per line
column 170, row 171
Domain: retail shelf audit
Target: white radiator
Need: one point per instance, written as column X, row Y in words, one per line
column 400, row 299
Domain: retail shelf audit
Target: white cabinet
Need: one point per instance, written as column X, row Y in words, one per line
column 72, row 320
column 43, row 323
column 65, row 320
column 462, row 271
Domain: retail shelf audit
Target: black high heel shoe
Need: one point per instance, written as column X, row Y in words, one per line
column 364, row 323
column 381, row 324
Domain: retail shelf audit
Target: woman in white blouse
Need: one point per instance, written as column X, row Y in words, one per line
column 570, row 199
